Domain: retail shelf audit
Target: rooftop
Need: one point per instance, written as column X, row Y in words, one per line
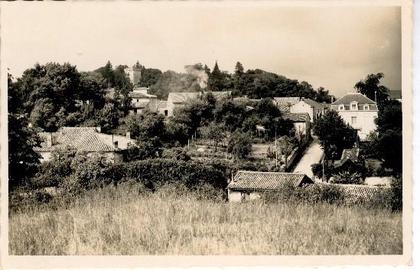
column 182, row 97
column 253, row 180
column 350, row 97
column 84, row 139
column 296, row 117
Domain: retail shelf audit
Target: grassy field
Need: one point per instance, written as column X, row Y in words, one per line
column 120, row 221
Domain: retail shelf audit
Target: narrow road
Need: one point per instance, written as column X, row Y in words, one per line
column 313, row 154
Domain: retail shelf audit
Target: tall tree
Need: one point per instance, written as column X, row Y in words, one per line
column 372, row 88
column 334, row 135
column 23, row 160
column 285, row 146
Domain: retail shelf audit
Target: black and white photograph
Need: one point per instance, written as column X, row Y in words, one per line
column 206, row 128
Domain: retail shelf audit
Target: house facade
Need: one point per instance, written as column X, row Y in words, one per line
column 141, row 100
column 250, row 185
column 312, row 108
column 301, row 123
column 359, row 112
column 87, row 140
column 301, row 105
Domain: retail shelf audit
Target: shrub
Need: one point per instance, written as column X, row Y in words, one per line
column 396, row 197
column 177, row 153
column 346, row 177
column 316, row 193
column 154, row 173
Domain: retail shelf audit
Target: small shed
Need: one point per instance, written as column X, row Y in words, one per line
column 248, row 185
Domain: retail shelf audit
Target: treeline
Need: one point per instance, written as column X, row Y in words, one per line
column 252, row 83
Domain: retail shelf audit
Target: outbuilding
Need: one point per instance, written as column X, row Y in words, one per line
column 249, row 185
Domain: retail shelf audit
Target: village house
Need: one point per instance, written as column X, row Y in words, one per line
column 301, row 123
column 301, row 105
column 141, row 100
column 250, row 185
column 88, row 140
column 359, row 112
column 284, row 103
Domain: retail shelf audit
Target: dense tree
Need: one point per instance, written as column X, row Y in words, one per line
column 213, row 132
column 285, row 146
column 334, row 135
column 108, row 117
column 218, row 80
column 372, row 88
column 387, row 142
column 389, row 116
column 108, row 74
column 146, row 125
column 149, row 76
column 323, row 95
column 239, row 145
column 23, row 160
column 230, row 114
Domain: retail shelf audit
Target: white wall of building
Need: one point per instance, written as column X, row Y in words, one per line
column 303, row 107
column 363, row 121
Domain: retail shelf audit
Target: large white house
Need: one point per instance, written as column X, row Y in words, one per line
column 358, row 111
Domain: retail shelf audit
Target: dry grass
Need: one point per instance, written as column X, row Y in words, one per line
column 120, row 221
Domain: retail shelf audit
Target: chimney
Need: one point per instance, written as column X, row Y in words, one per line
column 128, row 135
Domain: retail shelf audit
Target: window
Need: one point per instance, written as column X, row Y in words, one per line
column 341, row 107
column 353, row 120
column 366, row 107
column 135, row 111
column 353, row 106
column 166, row 112
column 116, row 144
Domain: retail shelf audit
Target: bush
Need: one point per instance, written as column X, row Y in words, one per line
column 177, row 153
column 316, row 193
column 396, row 197
column 346, row 177
column 154, row 173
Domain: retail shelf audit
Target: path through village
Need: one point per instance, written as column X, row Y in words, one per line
column 313, row 154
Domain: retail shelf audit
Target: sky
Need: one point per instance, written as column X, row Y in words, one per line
column 328, row 46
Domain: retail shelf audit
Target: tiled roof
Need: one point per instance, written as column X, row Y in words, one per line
column 252, row 180
column 85, row 139
column 296, row 117
column 359, row 98
column 313, row 103
column 284, row 103
column 182, row 97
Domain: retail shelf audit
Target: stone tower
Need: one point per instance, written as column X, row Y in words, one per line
column 135, row 73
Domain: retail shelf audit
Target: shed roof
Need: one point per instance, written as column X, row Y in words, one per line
column 253, row 180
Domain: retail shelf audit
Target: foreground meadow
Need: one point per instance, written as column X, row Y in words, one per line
column 120, row 221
